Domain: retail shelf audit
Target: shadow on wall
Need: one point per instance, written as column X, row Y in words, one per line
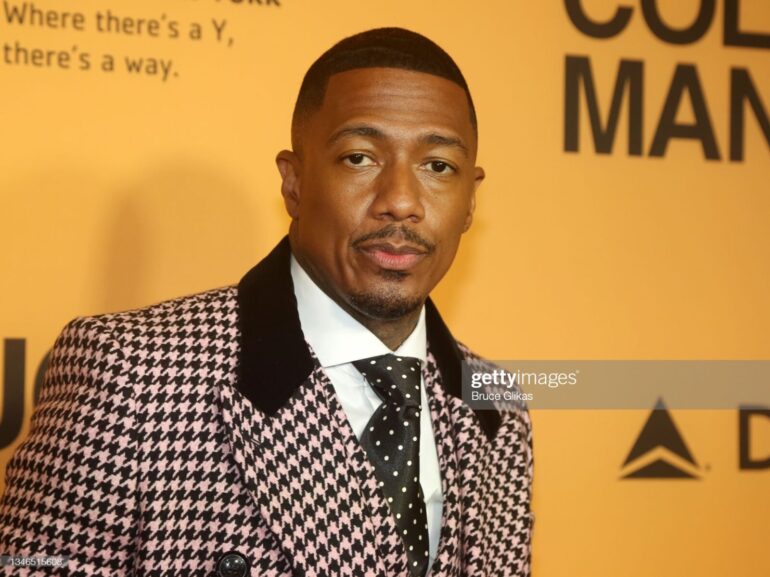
column 179, row 230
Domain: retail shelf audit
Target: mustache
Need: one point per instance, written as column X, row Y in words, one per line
column 392, row 231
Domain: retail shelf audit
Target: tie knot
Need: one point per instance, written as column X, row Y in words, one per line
column 394, row 378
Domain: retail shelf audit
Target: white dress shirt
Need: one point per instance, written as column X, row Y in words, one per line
column 337, row 340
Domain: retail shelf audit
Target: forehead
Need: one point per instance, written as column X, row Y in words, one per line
column 398, row 101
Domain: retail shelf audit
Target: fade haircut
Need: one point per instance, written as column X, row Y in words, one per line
column 377, row 48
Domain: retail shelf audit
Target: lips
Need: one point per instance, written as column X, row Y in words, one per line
column 393, row 257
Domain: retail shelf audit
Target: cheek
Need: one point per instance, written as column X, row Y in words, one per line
column 333, row 216
column 449, row 228
column 333, row 203
column 448, row 250
column 450, row 215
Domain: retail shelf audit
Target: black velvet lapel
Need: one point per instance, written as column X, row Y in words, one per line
column 449, row 359
column 275, row 360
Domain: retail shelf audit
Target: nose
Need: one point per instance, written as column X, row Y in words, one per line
column 399, row 194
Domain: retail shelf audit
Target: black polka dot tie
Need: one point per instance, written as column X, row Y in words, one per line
column 391, row 440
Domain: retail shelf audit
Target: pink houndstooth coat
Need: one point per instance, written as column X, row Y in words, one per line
column 169, row 437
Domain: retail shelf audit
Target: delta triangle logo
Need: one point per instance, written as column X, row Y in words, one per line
column 660, row 451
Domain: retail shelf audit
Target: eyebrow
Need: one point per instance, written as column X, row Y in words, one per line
column 363, row 130
column 432, row 138
column 440, row 140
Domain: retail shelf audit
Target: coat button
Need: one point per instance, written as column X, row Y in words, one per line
column 232, row 565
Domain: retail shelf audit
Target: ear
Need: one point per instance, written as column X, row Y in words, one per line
column 289, row 166
column 477, row 178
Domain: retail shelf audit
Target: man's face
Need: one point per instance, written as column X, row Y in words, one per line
column 383, row 188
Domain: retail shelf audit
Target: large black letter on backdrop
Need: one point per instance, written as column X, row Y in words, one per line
column 630, row 73
column 13, row 391
column 685, row 80
column 13, row 388
column 744, row 437
column 742, row 89
column 734, row 37
column 597, row 29
column 687, row 35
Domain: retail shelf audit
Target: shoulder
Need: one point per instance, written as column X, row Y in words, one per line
column 115, row 342
column 216, row 306
column 204, row 307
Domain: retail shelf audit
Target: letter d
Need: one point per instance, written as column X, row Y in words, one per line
column 744, row 436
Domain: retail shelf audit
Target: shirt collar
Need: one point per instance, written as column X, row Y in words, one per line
column 335, row 336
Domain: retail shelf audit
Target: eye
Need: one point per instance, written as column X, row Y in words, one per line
column 440, row 167
column 357, row 159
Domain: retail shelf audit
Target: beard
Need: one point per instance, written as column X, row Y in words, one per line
column 387, row 304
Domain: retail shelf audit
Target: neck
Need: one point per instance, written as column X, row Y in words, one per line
column 392, row 332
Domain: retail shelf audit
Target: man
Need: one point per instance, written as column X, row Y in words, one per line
column 245, row 430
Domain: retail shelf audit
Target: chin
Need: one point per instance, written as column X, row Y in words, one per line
column 386, row 305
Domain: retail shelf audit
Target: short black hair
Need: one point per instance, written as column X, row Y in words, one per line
column 376, row 48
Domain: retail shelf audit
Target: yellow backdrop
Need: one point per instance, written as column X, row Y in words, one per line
column 150, row 174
